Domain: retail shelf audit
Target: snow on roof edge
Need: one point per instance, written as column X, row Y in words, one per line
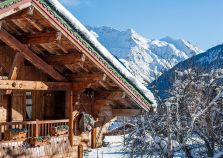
column 80, row 27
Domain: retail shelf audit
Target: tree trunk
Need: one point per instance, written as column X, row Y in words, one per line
column 187, row 152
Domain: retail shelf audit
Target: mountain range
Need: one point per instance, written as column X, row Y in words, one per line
column 211, row 60
column 144, row 58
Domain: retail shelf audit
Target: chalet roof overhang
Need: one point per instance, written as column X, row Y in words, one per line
column 9, row 7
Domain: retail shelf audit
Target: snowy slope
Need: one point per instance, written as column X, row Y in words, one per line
column 143, row 57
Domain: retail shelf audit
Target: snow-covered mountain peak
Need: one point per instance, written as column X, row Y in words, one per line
column 137, row 38
column 143, row 57
column 183, row 45
column 130, row 32
column 167, row 51
column 114, row 39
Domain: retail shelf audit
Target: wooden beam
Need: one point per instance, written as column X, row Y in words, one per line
column 98, row 105
column 29, row 55
column 34, row 23
column 69, row 102
column 126, row 112
column 16, row 65
column 87, row 77
column 39, row 38
column 14, row 70
column 111, row 95
column 21, row 14
column 104, row 85
column 1, row 23
column 33, row 85
column 16, row 7
column 25, row 14
column 82, row 82
column 66, row 59
column 81, row 86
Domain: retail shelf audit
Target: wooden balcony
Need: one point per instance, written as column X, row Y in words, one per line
column 35, row 128
column 57, row 145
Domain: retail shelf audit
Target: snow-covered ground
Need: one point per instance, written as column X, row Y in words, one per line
column 113, row 149
column 218, row 154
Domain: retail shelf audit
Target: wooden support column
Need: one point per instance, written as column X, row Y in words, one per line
column 69, row 102
column 93, row 138
column 36, row 129
column 80, row 151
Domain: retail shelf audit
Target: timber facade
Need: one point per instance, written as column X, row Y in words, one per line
column 49, row 75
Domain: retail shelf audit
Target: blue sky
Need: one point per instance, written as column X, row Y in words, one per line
column 199, row 21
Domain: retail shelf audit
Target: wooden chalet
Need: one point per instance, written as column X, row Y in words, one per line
column 51, row 72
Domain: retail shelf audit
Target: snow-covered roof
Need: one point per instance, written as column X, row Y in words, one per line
column 92, row 39
column 88, row 39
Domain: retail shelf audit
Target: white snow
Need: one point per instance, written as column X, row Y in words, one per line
column 183, row 45
column 114, row 149
column 218, row 154
column 77, row 25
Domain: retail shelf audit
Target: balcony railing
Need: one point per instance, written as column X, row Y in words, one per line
column 35, row 128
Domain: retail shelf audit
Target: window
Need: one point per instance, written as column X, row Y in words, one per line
column 29, row 105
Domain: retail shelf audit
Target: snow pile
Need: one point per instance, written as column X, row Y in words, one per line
column 77, row 25
column 144, row 58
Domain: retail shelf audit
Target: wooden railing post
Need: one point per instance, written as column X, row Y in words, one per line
column 93, row 138
column 36, row 129
column 69, row 102
column 80, row 151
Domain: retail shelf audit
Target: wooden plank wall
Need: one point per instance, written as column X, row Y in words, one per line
column 18, row 102
column 48, row 105
column 18, row 97
column 6, row 58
